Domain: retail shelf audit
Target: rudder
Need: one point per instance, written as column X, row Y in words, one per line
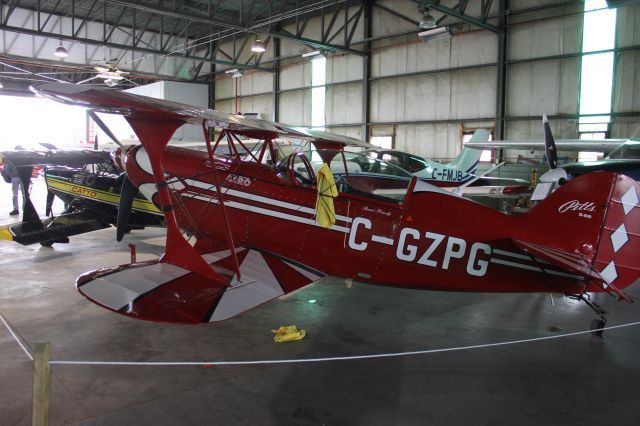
column 592, row 221
column 617, row 252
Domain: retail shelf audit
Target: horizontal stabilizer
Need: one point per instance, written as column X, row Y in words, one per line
column 159, row 291
column 572, row 262
column 64, row 226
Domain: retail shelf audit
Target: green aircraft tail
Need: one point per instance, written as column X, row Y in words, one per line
column 468, row 159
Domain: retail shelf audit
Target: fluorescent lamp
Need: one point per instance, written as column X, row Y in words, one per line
column 61, row 52
column 110, row 76
column 258, row 46
column 233, row 73
column 435, row 34
column 313, row 54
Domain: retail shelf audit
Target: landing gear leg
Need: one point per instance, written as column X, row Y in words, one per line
column 597, row 324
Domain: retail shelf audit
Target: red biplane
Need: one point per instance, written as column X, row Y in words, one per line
column 260, row 222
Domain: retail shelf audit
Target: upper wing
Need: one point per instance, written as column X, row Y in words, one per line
column 598, row 145
column 320, row 137
column 70, row 158
column 138, row 106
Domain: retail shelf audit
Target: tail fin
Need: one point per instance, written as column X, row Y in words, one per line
column 590, row 226
column 468, row 159
column 617, row 253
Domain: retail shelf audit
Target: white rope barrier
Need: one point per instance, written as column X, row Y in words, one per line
column 340, row 358
column 16, row 336
column 24, row 347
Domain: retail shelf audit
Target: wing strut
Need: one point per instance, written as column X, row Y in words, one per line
column 154, row 135
column 227, row 227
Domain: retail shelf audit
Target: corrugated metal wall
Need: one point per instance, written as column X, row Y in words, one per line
column 430, row 91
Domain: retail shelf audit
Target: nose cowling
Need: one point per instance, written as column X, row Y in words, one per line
column 138, row 176
column 140, row 173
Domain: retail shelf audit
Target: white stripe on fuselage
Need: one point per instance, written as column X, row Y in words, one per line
column 260, row 199
column 265, row 212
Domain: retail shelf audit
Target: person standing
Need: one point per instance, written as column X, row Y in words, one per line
column 16, row 185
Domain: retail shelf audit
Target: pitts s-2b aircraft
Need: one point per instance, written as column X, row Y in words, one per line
column 262, row 225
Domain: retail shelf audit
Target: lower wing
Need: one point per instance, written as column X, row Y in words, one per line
column 158, row 291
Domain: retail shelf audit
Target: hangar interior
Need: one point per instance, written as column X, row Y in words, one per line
column 360, row 69
column 499, row 65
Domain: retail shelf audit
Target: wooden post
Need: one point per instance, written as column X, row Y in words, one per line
column 41, row 384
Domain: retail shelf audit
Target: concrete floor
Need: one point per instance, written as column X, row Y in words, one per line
column 574, row 380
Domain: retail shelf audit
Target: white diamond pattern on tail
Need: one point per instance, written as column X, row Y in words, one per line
column 609, row 273
column 629, row 200
column 619, row 237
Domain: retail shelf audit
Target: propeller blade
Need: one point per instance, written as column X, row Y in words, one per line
column 549, row 144
column 104, row 128
column 127, row 191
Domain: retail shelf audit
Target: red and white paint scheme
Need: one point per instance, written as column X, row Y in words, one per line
column 250, row 221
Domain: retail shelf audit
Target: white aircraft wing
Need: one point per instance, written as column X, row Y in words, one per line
column 596, row 145
column 493, row 191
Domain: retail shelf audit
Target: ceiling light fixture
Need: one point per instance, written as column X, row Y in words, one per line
column 258, row 46
column 233, row 73
column 1, row 86
column 427, row 21
column 110, row 76
column 61, row 52
column 436, row 34
column 313, row 54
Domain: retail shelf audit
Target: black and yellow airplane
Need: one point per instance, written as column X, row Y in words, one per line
column 90, row 185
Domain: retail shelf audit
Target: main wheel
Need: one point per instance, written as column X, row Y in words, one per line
column 596, row 326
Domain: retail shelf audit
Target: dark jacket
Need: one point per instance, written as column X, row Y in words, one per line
column 10, row 170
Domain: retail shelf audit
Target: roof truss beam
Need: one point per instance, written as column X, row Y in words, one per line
column 458, row 12
column 126, row 47
column 397, row 14
column 238, row 27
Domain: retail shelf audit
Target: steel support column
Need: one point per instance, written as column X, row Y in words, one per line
column 275, row 93
column 366, row 70
column 212, row 87
column 502, row 70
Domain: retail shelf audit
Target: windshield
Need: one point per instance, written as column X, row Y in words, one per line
column 353, row 172
column 628, row 150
